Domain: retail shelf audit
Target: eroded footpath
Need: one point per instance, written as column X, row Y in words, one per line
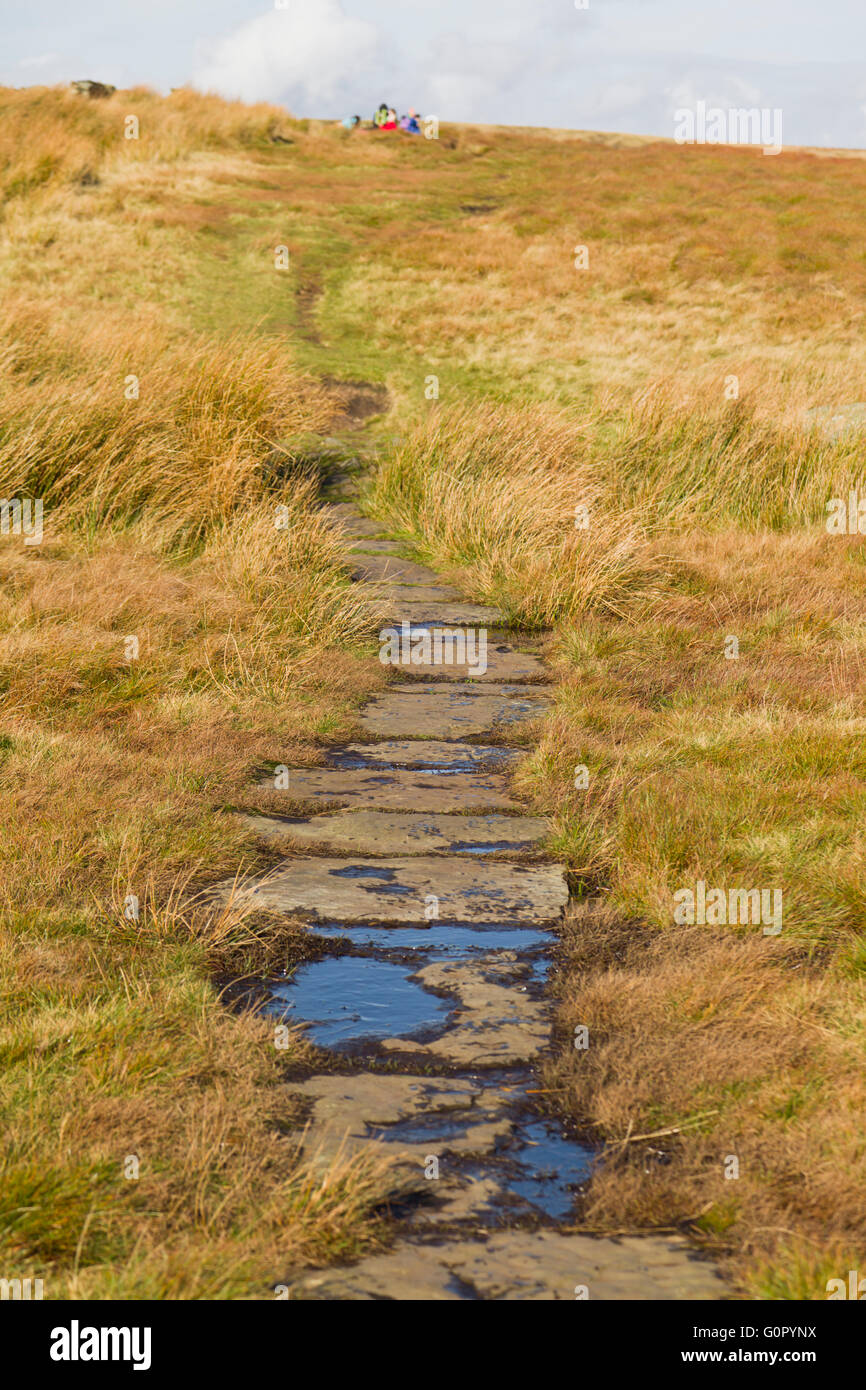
column 430, row 877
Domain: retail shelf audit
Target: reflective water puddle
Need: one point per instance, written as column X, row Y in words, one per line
column 441, row 937
column 539, row 1166
column 544, row 1167
column 350, row 998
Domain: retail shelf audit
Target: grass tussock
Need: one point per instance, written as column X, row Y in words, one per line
column 53, row 136
column 552, row 516
column 186, row 436
column 495, row 496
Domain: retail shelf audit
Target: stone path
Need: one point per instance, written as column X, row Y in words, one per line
column 416, row 853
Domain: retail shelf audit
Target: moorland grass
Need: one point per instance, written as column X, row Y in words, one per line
column 664, row 390
column 146, row 1133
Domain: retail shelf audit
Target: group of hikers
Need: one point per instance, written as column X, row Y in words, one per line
column 385, row 118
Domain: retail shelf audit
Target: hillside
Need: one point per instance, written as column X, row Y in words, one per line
column 595, row 380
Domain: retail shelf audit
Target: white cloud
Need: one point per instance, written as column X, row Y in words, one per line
column 619, row 98
column 309, row 55
column 463, row 77
column 41, row 60
column 717, row 89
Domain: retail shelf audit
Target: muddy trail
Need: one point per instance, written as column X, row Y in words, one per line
column 429, row 879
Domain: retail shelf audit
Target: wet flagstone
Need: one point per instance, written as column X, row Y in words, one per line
column 461, row 711
column 403, row 602
column 390, row 568
column 526, row 1266
column 445, row 911
column 440, row 753
column 412, row 889
column 398, row 789
column 406, row 832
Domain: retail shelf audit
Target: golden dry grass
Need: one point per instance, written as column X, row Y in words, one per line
column 492, row 494
column 115, row 779
column 52, row 135
column 742, row 773
column 554, row 516
column 184, row 517
column 727, row 1084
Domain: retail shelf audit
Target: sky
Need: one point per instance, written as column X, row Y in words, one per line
column 616, row 65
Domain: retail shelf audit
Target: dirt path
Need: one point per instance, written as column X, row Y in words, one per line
column 434, row 875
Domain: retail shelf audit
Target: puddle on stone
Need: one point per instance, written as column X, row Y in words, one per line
column 443, row 937
column 348, row 998
column 545, row 1166
column 540, row 1167
column 491, row 847
column 390, row 770
column 494, row 758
